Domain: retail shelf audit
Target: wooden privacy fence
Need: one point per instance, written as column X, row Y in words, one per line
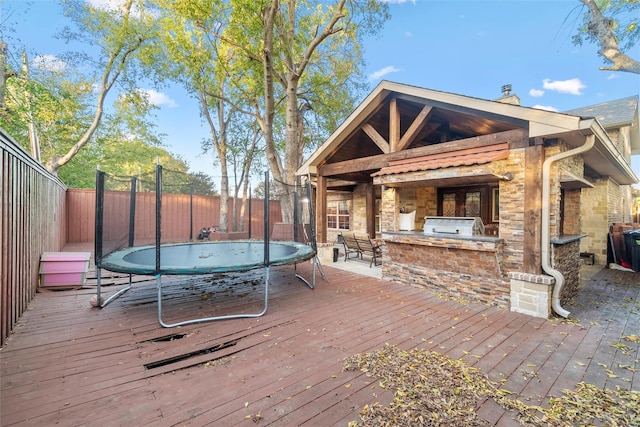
column 175, row 208
column 33, row 222
column 39, row 214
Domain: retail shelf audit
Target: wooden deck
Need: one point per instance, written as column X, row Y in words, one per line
column 70, row 364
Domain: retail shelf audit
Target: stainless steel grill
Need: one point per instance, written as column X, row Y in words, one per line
column 453, row 225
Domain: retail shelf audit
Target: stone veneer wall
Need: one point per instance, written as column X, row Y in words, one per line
column 531, row 294
column 512, row 213
column 465, row 269
column 566, row 259
column 601, row 206
column 615, row 208
column 388, row 210
column 555, row 194
column 571, row 215
column 423, row 200
column 595, row 220
column 358, row 213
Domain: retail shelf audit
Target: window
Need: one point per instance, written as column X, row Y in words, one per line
column 449, row 204
column 472, row 203
column 338, row 215
column 476, row 201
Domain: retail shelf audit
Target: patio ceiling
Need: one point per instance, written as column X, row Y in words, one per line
column 442, row 124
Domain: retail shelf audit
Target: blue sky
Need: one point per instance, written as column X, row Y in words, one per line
column 466, row 47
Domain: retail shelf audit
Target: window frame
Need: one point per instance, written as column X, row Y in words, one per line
column 338, row 215
column 487, row 192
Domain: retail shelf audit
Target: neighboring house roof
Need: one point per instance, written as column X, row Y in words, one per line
column 620, row 112
column 615, row 114
column 365, row 133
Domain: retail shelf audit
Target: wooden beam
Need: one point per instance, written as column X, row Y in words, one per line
column 532, row 227
column 376, row 137
column 394, row 125
column 381, row 160
column 416, row 126
column 371, row 210
column 332, row 183
column 479, row 112
column 321, row 210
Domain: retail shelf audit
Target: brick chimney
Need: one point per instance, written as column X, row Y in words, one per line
column 507, row 97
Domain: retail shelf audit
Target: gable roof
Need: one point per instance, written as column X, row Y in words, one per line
column 458, row 116
column 615, row 114
column 620, row 112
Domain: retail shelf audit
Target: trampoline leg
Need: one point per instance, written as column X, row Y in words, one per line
column 112, row 297
column 210, row 319
column 322, row 273
column 312, row 284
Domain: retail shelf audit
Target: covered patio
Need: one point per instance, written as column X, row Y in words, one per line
column 68, row 363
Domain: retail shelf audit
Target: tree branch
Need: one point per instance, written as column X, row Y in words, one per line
column 601, row 28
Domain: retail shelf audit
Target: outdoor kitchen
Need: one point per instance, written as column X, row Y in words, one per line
column 449, row 253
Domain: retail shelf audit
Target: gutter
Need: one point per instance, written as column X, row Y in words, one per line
column 546, row 214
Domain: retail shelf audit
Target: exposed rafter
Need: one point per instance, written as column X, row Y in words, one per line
column 376, row 137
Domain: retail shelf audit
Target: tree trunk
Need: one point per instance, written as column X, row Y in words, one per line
column 3, row 73
column 33, row 135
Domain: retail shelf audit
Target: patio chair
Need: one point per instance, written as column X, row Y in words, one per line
column 350, row 246
column 369, row 248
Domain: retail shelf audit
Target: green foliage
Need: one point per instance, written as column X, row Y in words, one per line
column 623, row 16
column 216, row 50
column 57, row 102
column 203, row 184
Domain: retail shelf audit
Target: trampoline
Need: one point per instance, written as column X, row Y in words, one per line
column 116, row 248
column 205, row 258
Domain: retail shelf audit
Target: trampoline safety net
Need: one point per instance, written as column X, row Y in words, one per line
column 160, row 224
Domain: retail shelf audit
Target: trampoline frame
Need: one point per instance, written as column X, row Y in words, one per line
column 158, row 271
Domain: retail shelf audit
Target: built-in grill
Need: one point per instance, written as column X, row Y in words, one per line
column 453, row 225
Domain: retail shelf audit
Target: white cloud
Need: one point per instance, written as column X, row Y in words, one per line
column 397, row 1
column 49, row 63
column 536, row 93
column 545, row 107
column 572, row 86
column 158, row 99
column 613, row 76
column 383, row 72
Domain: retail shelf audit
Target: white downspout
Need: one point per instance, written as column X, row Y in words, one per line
column 546, row 214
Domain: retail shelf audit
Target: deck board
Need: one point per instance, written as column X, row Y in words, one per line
column 68, row 363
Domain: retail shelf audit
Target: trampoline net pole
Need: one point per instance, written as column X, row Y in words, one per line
column 99, row 217
column 191, row 211
column 158, row 214
column 250, row 217
column 132, row 212
column 266, row 219
column 98, row 230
